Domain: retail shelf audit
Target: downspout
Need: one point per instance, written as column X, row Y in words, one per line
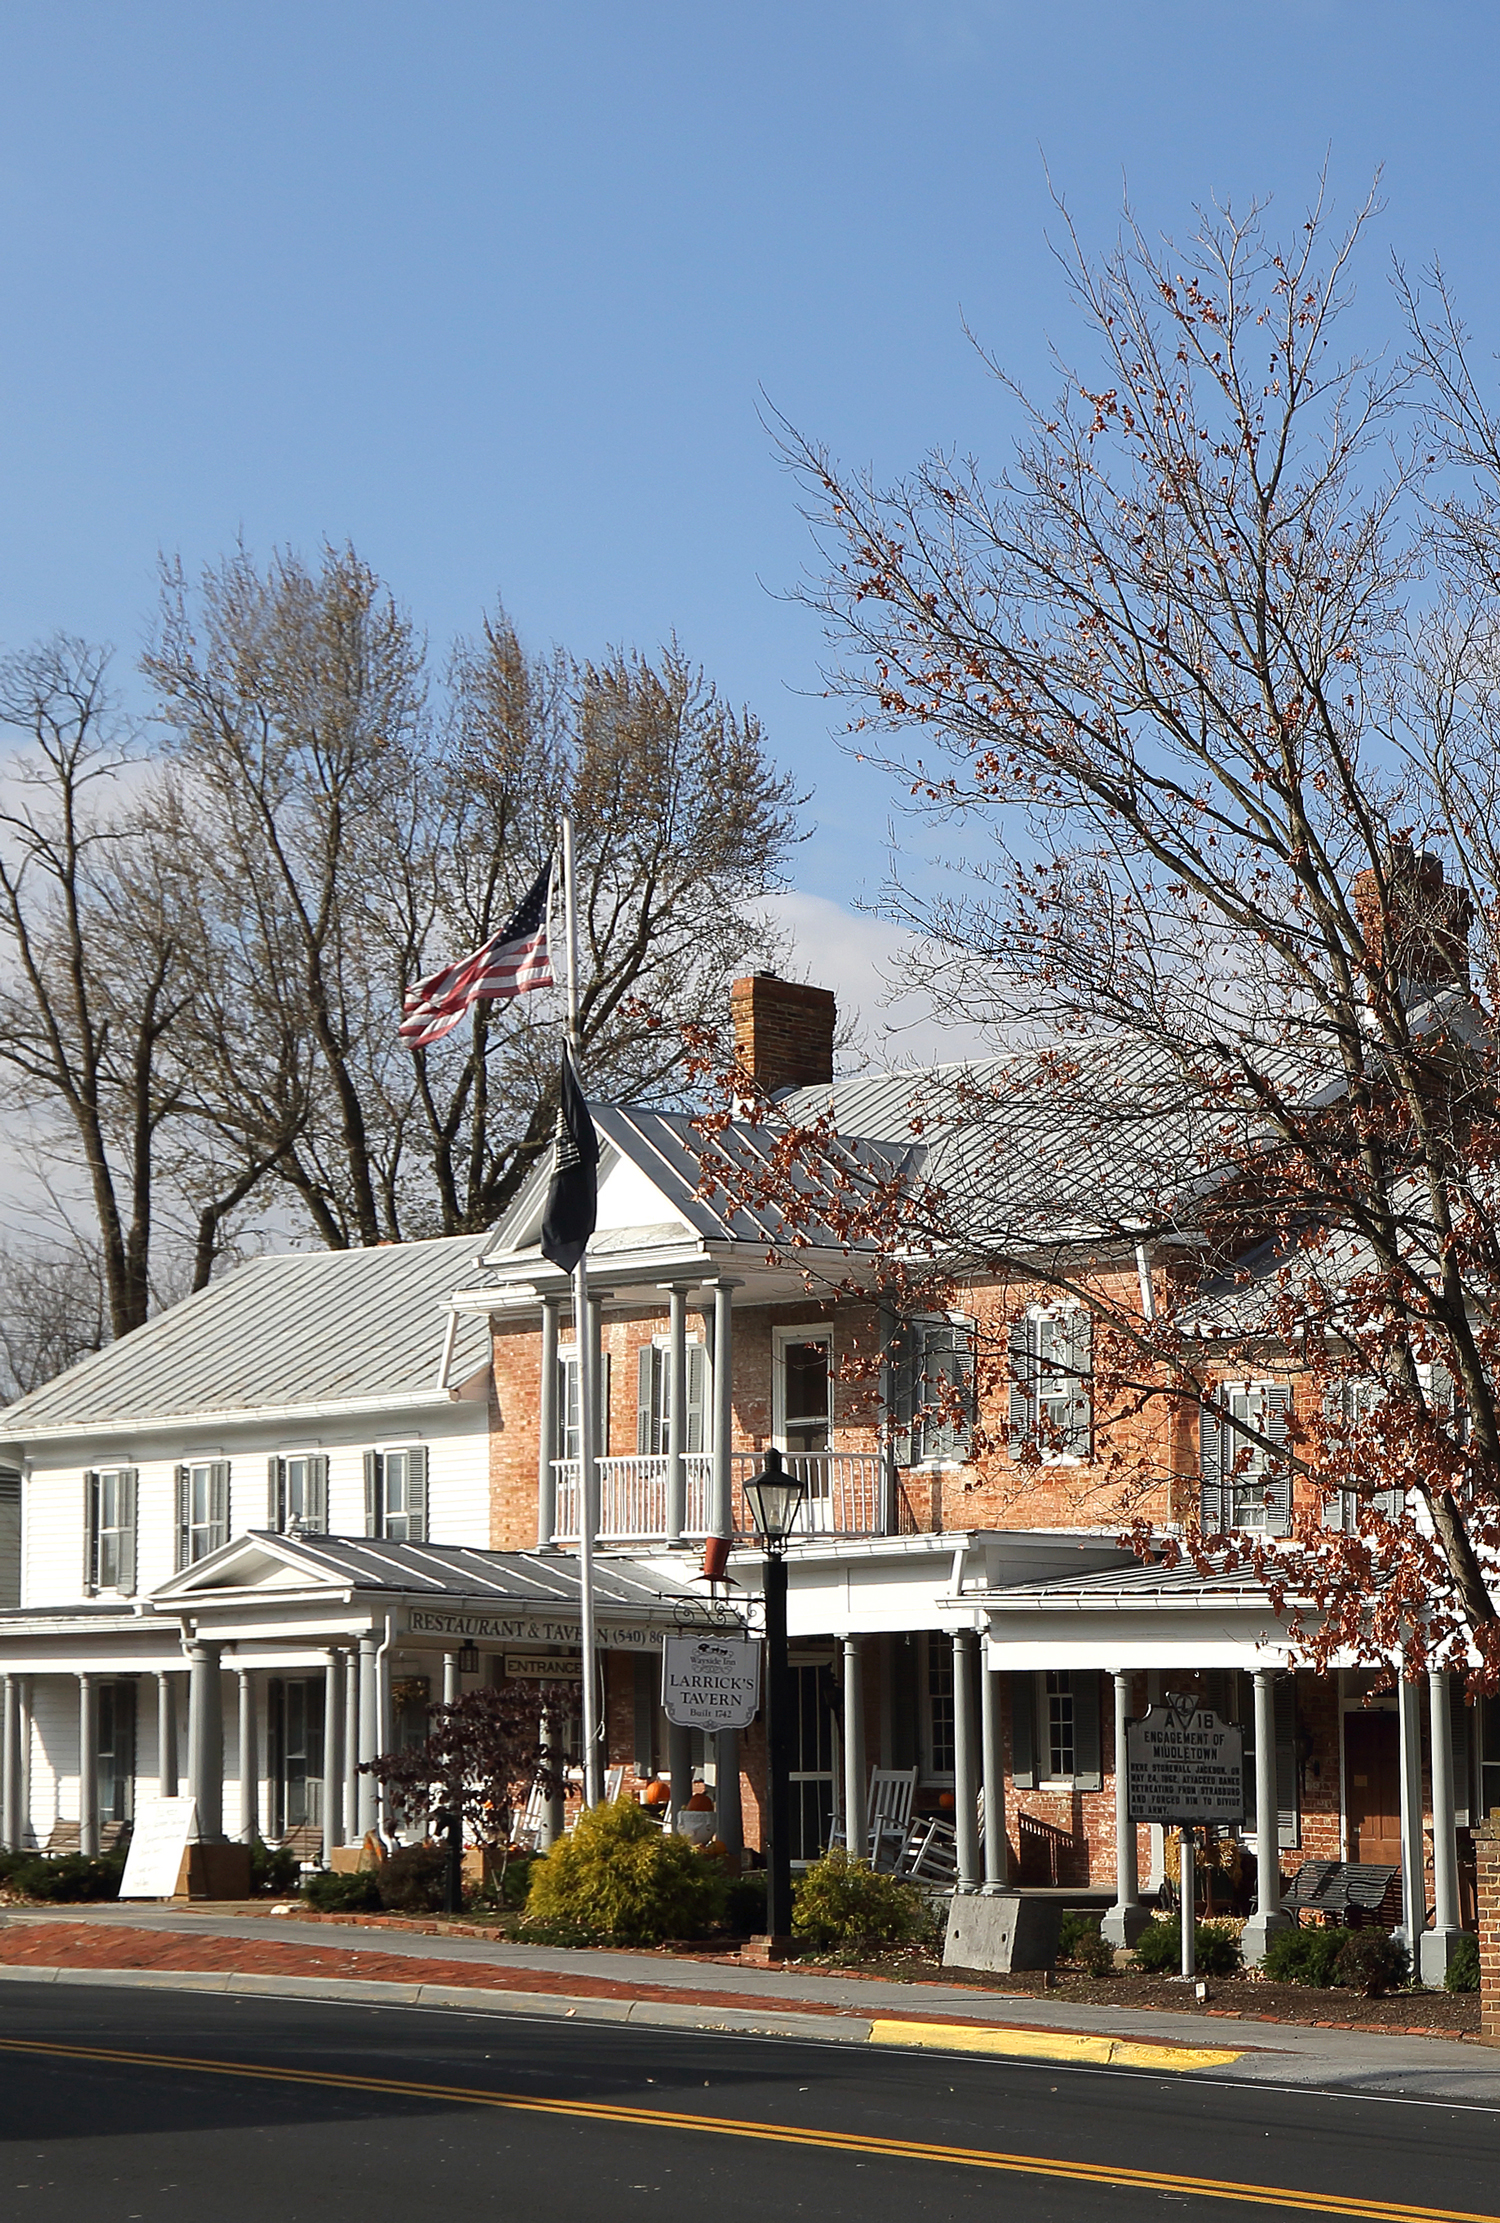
column 450, row 1336
column 383, row 1708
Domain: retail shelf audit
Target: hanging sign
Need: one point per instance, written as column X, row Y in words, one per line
column 710, row 1682
column 1185, row 1765
column 164, row 1829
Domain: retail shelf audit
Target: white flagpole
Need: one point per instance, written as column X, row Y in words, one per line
column 588, row 1492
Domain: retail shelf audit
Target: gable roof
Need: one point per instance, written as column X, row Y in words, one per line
column 297, row 1332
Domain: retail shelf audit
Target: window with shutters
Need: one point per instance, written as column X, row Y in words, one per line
column 653, row 1401
column 1055, row 1735
column 396, row 1481
column 1051, row 1383
column 1351, row 1402
column 109, row 1524
column 297, row 1494
column 934, row 1390
column 1243, row 1483
column 937, row 1711
column 1058, row 1735
column 202, row 1509
column 802, row 1389
column 570, row 1406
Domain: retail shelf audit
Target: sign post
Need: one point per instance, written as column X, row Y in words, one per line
column 1185, row 1766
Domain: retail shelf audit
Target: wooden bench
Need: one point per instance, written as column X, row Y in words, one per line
column 1353, row 1892
column 64, row 1837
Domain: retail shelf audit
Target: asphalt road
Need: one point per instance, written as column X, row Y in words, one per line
column 144, row 2107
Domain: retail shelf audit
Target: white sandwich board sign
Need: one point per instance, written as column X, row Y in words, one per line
column 1185, row 1765
column 164, row 1829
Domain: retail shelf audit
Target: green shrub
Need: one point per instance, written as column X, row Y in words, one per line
column 332, row 1892
column 1081, row 1941
column 1303, row 1957
column 1216, row 1949
column 1463, row 1969
column 620, row 1880
column 1371, row 1962
column 414, row 1880
column 274, row 1868
column 70, row 1877
column 745, row 1905
column 842, row 1900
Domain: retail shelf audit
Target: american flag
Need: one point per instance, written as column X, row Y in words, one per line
column 508, row 964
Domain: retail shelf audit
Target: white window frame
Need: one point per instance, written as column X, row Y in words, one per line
column 1071, row 1392
column 121, row 1481
column 192, row 1469
column 911, row 1425
column 781, row 1340
column 931, row 1772
column 661, row 1394
column 1046, row 1778
column 1255, row 1392
column 568, row 1375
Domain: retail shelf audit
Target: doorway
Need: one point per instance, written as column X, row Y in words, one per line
column 813, row 1708
column 1372, row 1786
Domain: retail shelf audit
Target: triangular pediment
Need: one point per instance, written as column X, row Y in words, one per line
column 255, row 1562
column 629, row 1199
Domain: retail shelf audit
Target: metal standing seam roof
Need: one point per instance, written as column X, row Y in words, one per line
column 296, row 1329
column 1126, row 1587
column 459, row 1571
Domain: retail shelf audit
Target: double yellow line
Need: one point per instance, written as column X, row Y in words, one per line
column 779, row 2134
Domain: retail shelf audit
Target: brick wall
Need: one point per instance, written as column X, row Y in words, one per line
column 1487, row 1852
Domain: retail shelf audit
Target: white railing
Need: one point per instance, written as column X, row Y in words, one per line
column 843, row 1495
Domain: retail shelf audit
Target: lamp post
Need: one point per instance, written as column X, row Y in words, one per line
column 774, row 1497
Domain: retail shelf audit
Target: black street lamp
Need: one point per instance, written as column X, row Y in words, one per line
column 774, row 1497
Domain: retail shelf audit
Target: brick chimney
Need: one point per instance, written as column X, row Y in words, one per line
column 783, row 1031
column 1423, row 930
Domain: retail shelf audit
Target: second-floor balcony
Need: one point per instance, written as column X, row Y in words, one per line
column 844, row 1496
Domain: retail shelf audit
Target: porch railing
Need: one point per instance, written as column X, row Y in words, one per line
column 843, row 1495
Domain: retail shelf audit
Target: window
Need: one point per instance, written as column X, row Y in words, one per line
column 1351, row 1402
column 1051, row 1383
column 570, row 1410
column 109, row 1529
column 202, row 1509
column 116, row 1751
column 1243, row 1484
column 396, row 1494
column 294, row 1735
column 297, row 1494
column 937, row 1711
column 804, row 1382
column 653, row 1401
column 934, row 1391
column 1061, row 1746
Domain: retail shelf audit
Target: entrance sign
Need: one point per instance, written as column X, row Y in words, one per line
column 543, row 1667
column 710, row 1682
column 1185, row 1765
column 164, row 1829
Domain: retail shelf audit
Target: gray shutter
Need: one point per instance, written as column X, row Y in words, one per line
column 372, row 1493
column 127, row 1530
column 964, row 1375
column 219, row 1501
column 1288, row 1811
column 273, row 1495
column 184, row 1509
column 1211, row 1472
column 1460, row 1719
column 90, row 1533
column 1081, row 1364
column 416, row 1494
column 1278, row 1413
column 901, row 1377
column 1023, row 1730
column 1088, row 1772
column 1022, row 1399
column 1338, row 1510
column 645, row 1382
column 697, row 1397
column 602, row 1425
column 316, row 1517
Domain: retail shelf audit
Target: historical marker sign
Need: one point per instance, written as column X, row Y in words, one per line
column 710, row 1682
column 1185, row 1765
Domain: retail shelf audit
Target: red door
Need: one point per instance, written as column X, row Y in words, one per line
column 1372, row 1787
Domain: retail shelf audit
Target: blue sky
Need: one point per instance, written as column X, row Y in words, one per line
column 495, row 290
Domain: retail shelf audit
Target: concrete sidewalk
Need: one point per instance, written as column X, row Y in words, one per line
column 647, row 1987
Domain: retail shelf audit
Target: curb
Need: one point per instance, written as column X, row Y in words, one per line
column 837, row 2029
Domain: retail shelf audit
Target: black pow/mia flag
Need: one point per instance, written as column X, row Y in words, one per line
column 573, row 1199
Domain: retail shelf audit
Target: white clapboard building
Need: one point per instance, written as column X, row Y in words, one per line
column 248, row 1539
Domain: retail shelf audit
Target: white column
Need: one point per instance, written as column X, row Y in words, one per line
column 333, row 1773
column 450, row 1677
column 88, row 1764
column 27, row 1714
column 166, row 1735
column 369, row 1730
column 856, row 1820
column 552, row 1805
column 1126, row 1919
column 1413, row 1849
column 10, row 1768
column 352, row 1830
column 1438, row 1943
column 723, row 1506
column 965, row 1767
column 676, row 1413
column 206, row 1738
column 249, row 1770
column 546, row 1434
column 996, row 1850
column 1268, row 1917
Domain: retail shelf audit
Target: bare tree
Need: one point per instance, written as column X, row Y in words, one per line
column 1203, row 743
column 53, row 1311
